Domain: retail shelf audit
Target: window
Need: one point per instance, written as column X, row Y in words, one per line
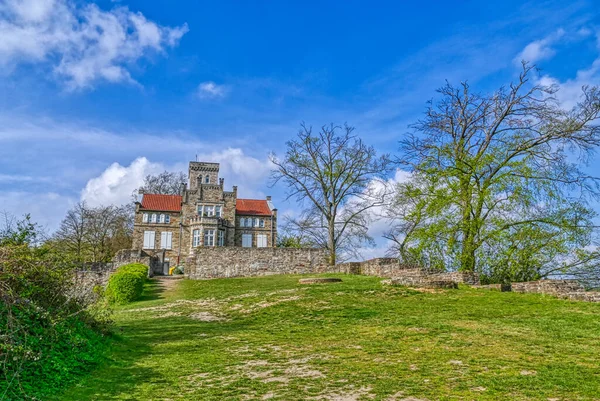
column 209, row 237
column 261, row 223
column 242, row 222
column 166, row 240
column 247, row 240
column 196, row 238
column 149, row 239
column 161, row 218
column 261, row 240
column 218, row 211
column 167, row 219
column 154, row 217
column 221, row 238
column 145, row 218
column 209, row 211
column 200, row 210
column 207, row 179
column 248, row 222
column 255, row 222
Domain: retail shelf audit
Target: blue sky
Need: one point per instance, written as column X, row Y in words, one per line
column 93, row 96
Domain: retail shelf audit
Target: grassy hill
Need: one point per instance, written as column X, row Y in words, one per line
column 272, row 338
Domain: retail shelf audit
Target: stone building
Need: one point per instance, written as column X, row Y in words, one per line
column 170, row 227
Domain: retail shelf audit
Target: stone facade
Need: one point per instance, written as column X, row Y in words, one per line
column 171, row 227
column 248, row 262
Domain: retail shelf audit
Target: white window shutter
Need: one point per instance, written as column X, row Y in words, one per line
column 261, row 241
column 169, row 240
column 145, row 218
column 149, row 239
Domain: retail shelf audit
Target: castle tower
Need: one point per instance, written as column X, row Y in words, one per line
column 203, row 173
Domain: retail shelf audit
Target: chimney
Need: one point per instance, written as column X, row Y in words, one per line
column 235, row 191
column 182, row 188
column 269, row 198
column 221, row 182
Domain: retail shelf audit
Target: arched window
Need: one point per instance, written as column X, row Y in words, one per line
column 154, row 219
column 242, row 222
column 207, row 179
column 162, row 218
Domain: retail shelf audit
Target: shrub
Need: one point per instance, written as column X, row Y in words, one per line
column 49, row 333
column 127, row 283
column 134, row 268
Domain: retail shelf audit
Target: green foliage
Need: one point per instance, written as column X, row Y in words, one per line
column 18, row 232
column 138, row 269
column 493, row 186
column 127, row 283
column 49, row 333
column 293, row 241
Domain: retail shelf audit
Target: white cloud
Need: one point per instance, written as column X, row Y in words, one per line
column 539, row 50
column 83, row 44
column 379, row 223
column 210, row 90
column 116, row 184
column 569, row 92
column 248, row 173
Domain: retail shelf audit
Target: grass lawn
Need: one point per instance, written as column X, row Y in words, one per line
column 272, row 338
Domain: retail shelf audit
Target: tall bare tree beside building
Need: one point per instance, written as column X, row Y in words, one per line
column 333, row 174
column 94, row 234
column 497, row 184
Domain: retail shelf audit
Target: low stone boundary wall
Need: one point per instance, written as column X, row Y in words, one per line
column 248, row 262
column 412, row 275
column 566, row 289
column 553, row 287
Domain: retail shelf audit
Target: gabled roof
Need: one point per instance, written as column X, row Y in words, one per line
column 166, row 203
column 255, row 207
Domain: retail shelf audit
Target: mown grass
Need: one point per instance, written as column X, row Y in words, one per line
column 347, row 341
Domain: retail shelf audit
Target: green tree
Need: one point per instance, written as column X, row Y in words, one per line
column 497, row 184
column 332, row 173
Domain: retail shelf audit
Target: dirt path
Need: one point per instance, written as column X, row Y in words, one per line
column 167, row 284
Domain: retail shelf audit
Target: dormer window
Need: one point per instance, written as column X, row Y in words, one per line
column 207, row 179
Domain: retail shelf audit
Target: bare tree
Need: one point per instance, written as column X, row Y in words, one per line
column 72, row 231
column 496, row 182
column 166, row 183
column 332, row 173
column 94, row 234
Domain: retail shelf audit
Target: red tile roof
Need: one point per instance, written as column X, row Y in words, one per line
column 167, row 203
column 254, row 207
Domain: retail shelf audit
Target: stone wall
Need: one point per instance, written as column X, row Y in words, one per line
column 247, row 262
column 552, row 287
column 392, row 268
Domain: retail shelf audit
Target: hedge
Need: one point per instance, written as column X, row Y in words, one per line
column 127, row 283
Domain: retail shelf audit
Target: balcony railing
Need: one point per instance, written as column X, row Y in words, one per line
column 205, row 220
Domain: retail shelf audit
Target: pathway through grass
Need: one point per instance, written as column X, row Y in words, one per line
column 272, row 338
